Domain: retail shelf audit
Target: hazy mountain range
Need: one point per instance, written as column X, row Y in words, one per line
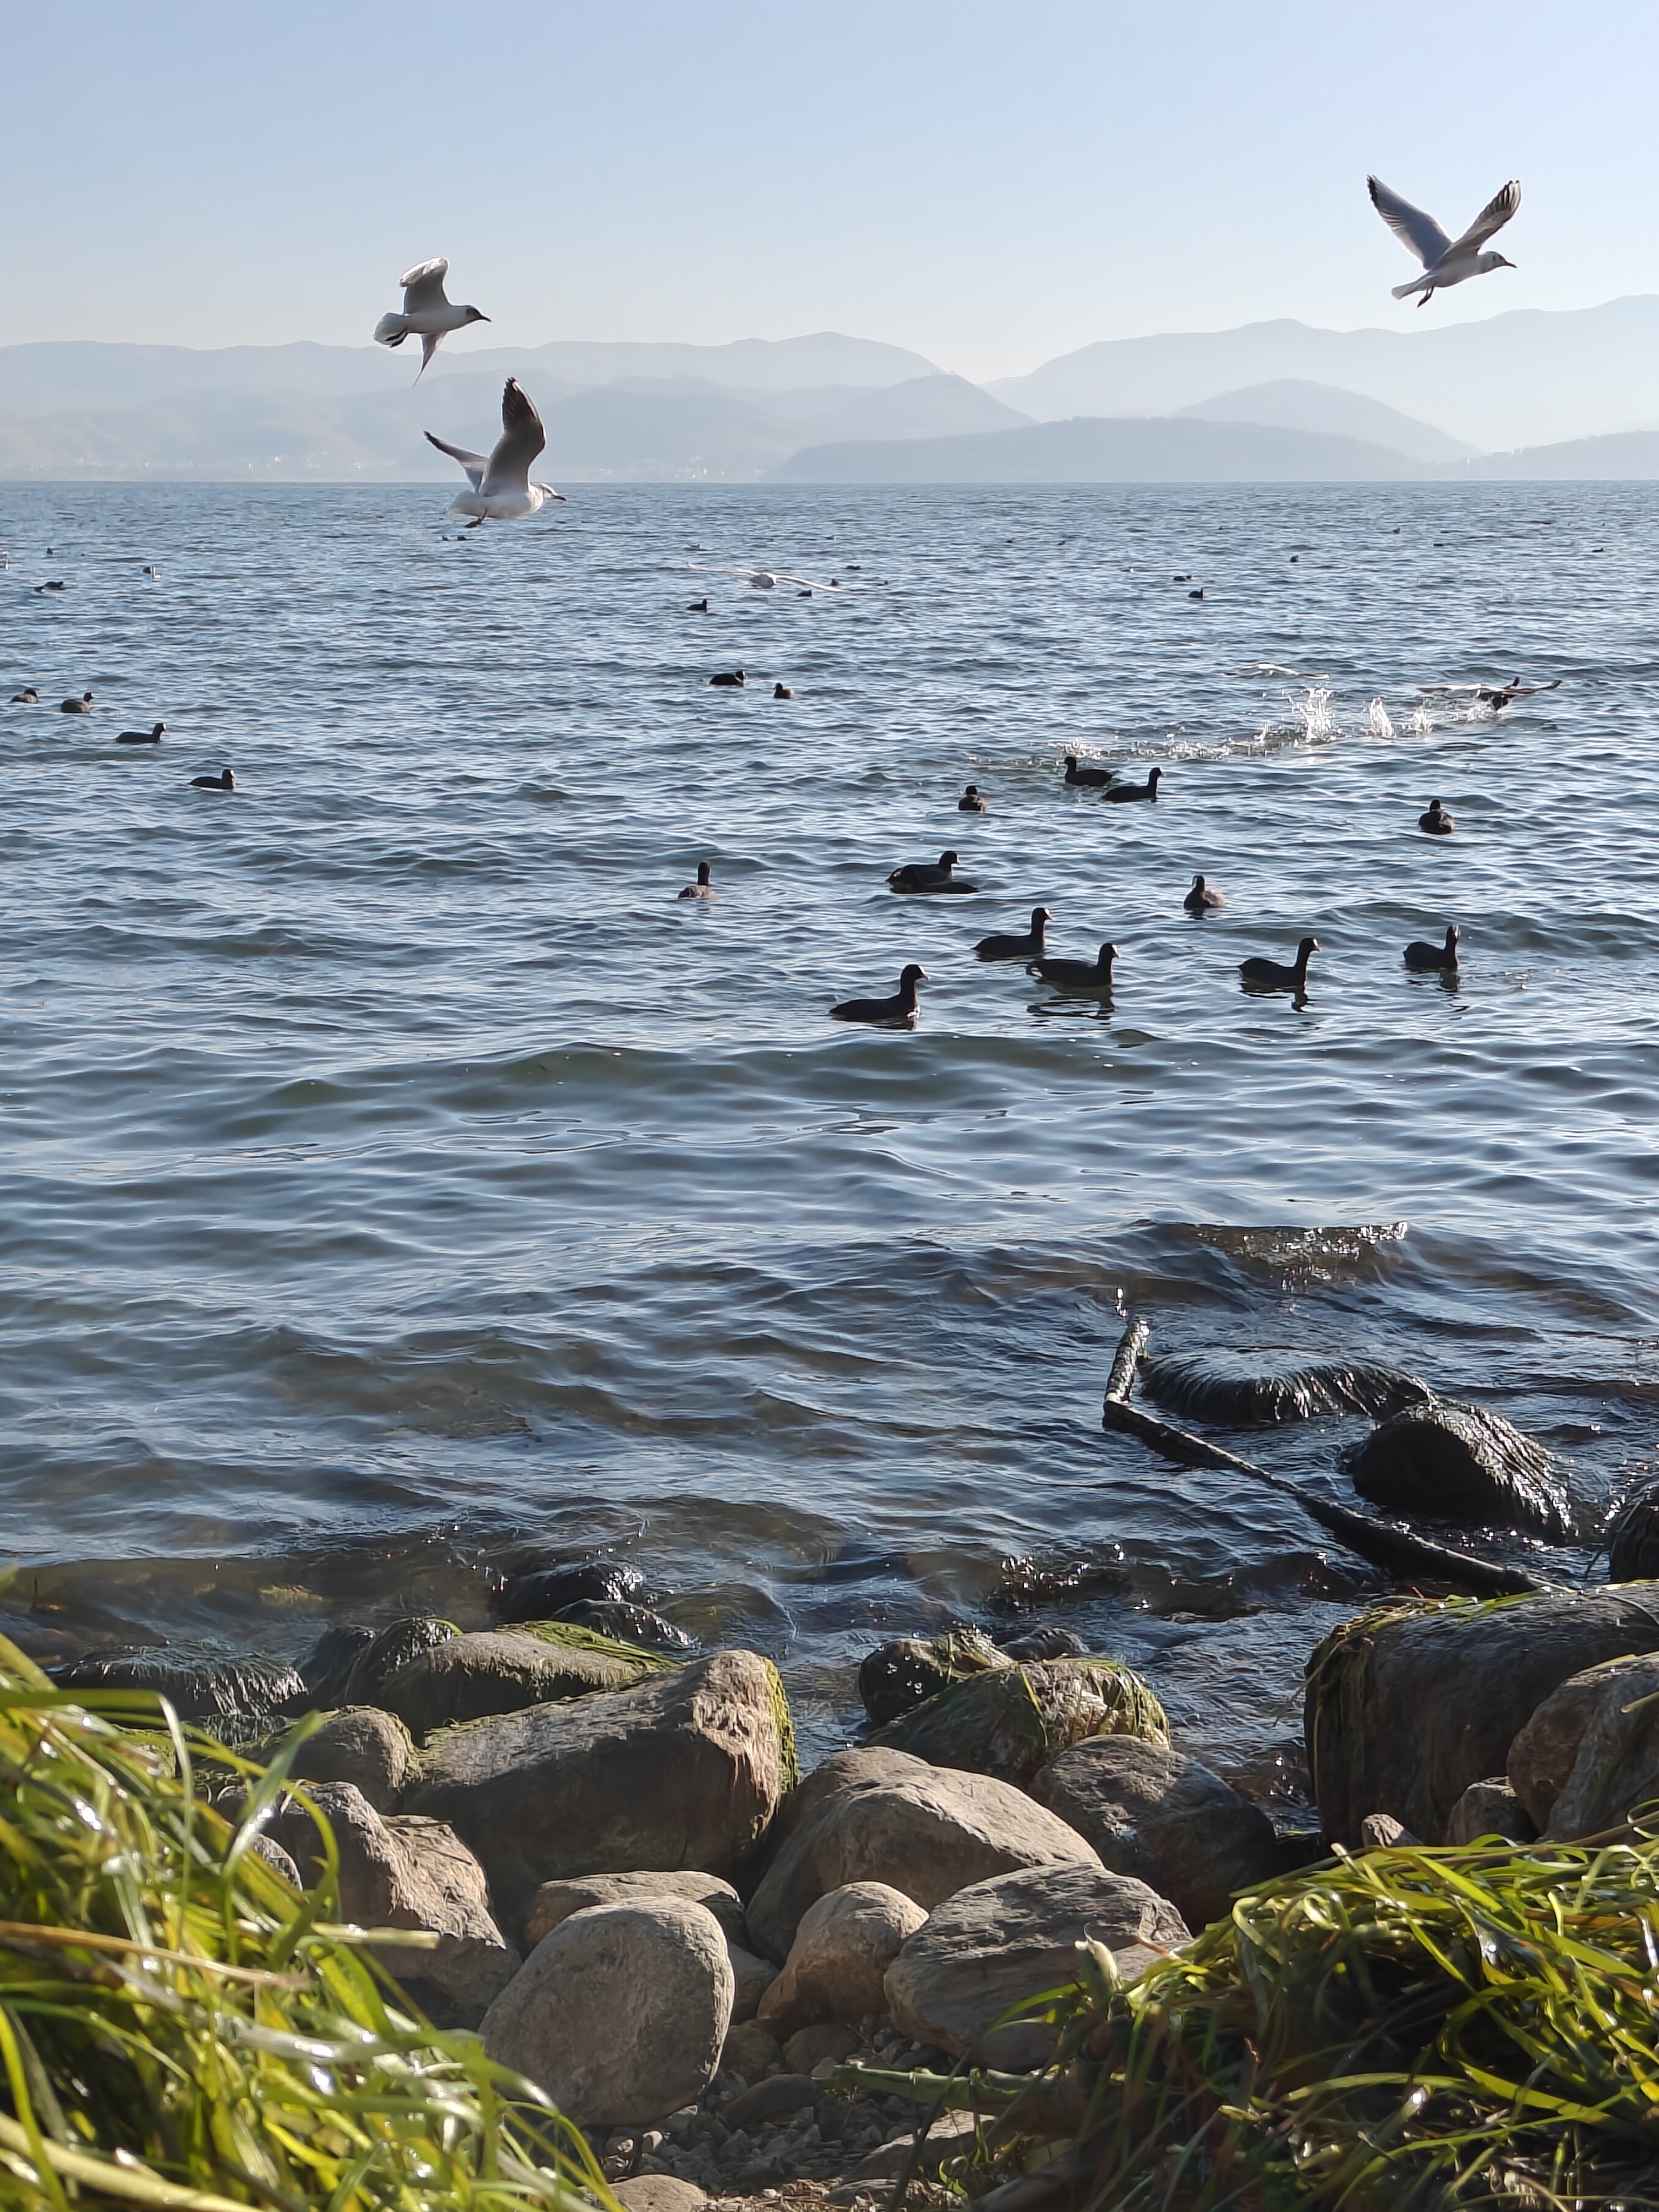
column 1523, row 394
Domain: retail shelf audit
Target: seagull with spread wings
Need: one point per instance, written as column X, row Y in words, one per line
column 1445, row 260
column 502, row 489
column 427, row 315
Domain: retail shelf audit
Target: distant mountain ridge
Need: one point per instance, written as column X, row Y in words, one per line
column 1293, row 404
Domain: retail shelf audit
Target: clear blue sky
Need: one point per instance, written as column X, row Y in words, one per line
column 992, row 185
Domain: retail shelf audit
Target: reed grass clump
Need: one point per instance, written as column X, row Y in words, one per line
column 180, row 2028
column 1408, row 2030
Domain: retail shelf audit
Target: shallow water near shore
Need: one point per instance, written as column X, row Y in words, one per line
column 401, row 1185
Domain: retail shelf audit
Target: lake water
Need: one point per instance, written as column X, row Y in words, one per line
column 400, row 1184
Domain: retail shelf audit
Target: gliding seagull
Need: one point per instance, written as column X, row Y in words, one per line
column 427, row 313
column 502, row 489
column 1445, row 260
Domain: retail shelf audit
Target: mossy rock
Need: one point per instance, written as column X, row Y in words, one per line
column 468, row 1678
column 907, row 1670
column 1012, row 1721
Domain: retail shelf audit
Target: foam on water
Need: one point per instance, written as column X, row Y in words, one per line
column 400, row 1184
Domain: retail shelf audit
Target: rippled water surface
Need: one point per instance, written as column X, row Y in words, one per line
column 401, row 1183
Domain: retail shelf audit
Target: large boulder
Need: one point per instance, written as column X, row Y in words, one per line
column 1013, row 1720
column 1489, row 1809
column 1001, row 1943
column 924, row 1831
column 1616, row 1768
column 556, row 1901
column 1410, row 1703
column 1634, row 1539
column 467, row 1678
column 843, row 1948
column 217, row 1689
column 620, row 2014
column 1441, row 1461
column 1544, row 1751
column 362, row 1746
column 908, row 1669
column 684, row 1770
column 1164, row 1818
column 410, row 1874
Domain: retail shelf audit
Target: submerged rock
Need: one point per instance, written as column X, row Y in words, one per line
column 1633, row 1540
column 1250, row 1389
column 908, row 1669
column 393, row 1647
column 1044, row 1643
column 1012, row 1721
column 541, row 1595
column 201, row 1685
column 327, row 1668
column 1001, row 1943
column 1442, row 1461
column 621, row 2012
column 1164, row 1819
column 467, row 1678
column 1409, row 1703
column 685, row 1770
column 627, row 1624
column 924, row 1831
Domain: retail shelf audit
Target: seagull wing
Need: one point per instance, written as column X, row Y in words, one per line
column 423, row 286
column 522, row 438
column 1417, row 233
column 475, row 464
column 1491, row 217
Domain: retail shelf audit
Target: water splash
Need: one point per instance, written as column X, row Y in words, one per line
column 1419, row 723
column 1376, row 720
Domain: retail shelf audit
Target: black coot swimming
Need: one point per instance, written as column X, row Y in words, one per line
column 702, row 889
column 1436, row 821
column 1095, row 779
column 1092, row 976
column 923, row 877
column 224, row 782
column 1122, row 793
column 1203, row 898
column 1029, row 947
column 1274, row 975
column 732, row 682
column 1425, row 957
column 697, row 607
column 900, row 1008
column 971, row 803
column 143, row 737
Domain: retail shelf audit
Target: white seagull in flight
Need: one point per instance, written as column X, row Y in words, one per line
column 427, row 315
column 1445, row 260
column 502, row 489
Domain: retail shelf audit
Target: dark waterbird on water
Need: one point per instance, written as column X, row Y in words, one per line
column 1029, row 947
column 900, row 1008
column 1428, row 957
column 1094, row 778
column 697, row 607
column 922, row 876
column 1436, row 821
column 971, row 803
column 224, row 782
column 1203, row 898
column 1094, row 977
column 81, row 706
column 143, row 737
column 702, row 889
column 1272, row 975
column 782, row 691
column 1122, row 794
column 29, row 698
column 732, row 680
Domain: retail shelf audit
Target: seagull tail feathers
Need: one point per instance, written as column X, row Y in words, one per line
column 1396, row 292
column 391, row 330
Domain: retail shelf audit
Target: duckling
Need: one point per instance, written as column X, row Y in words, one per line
column 971, row 803
column 702, row 889
column 1203, row 898
column 1436, row 821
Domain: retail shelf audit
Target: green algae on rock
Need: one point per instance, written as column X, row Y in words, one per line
column 1013, row 1720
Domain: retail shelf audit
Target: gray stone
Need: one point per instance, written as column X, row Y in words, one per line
column 924, row 1831
column 827, row 2042
column 360, row 1745
column 1164, row 1818
column 685, row 1770
column 952, row 2135
column 409, row 1873
column 906, row 1670
column 1490, row 1808
column 749, row 2049
column 620, row 2014
column 752, row 1978
column 658, row 2192
column 1381, row 1831
column 843, row 1948
column 1442, row 1462
column 1617, row 1769
column 1409, row 1705
column 1008, row 1720
column 555, row 1901
column 1543, row 1752
column 1002, row 1942
column 777, row 2098
column 468, row 1678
